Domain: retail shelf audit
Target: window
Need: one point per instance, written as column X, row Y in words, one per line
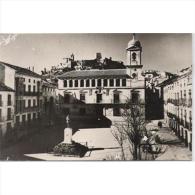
column 34, row 88
column 123, row 82
column 82, row 83
column 9, row 126
column 29, row 80
column 9, row 100
column 134, row 56
column 82, row 97
column 116, row 112
column 99, row 98
column 99, row 83
column 34, row 116
column 82, row 111
column 111, row 82
column 117, row 82
column 34, row 103
column 65, row 83
column 135, row 97
column 23, row 118
column 66, row 98
column 87, row 83
column 22, row 105
column 116, row 98
column 34, row 81
column 93, row 82
column 70, row 83
column 29, row 88
column 107, row 91
column 29, row 103
column 105, row 82
column 17, row 119
column 0, row 115
column 76, row 83
column 1, row 103
column 9, row 114
column 190, row 93
column 29, row 117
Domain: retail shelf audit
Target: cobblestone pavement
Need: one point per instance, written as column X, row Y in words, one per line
column 176, row 149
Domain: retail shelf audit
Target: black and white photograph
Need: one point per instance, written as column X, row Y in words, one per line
column 96, row 97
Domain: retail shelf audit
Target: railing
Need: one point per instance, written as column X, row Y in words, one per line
column 29, row 93
column 8, row 118
column 28, row 109
column 173, row 101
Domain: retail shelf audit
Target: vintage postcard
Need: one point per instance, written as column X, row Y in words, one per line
column 95, row 97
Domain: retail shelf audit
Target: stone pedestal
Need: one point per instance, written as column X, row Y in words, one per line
column 68, row 135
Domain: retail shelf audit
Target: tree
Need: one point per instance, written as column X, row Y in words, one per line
column 133, row 125
column 120, row 136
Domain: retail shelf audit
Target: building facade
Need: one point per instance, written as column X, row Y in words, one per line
column 26, row 97
column 97, row 93
column 7, row 96
column 178, row 105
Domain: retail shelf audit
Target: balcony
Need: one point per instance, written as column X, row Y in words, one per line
column 28, row 109
column 29, row 93
column 173, row 101
column 182, row 102
column 8, row 118
column 189, row 102
column 31, row 109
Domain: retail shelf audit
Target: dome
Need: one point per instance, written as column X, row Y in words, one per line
column 134, row 43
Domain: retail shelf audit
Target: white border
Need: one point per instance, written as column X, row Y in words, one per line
column 97, row 177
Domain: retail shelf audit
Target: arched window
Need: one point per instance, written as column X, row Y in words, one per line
column 134, row 56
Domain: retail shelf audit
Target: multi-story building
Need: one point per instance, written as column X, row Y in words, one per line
column 7, row 99
column 48, row 95
column 178, row 105
column 27, row 86
column 95, row 93
column 7, row 95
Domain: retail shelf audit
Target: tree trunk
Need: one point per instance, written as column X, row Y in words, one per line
column 135, row 153
column 122, row 152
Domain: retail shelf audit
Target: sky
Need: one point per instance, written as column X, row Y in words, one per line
column 164, row 52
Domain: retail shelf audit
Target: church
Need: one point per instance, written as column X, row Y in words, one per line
column 103, row 93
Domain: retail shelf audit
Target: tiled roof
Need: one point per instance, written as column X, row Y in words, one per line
column 3, row 87
column 95, row 74
column 21, row 70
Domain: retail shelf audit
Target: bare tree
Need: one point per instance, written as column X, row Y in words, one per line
column 119, row 134
column 134, row 125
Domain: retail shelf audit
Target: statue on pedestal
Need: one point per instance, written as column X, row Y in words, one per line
column 68, row 131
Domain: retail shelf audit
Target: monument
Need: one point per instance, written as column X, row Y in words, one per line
column 68, row 132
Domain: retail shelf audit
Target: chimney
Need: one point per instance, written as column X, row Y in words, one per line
column 33, row 68
column 98, row 56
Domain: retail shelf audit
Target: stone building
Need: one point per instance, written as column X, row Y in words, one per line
column 102, row 93
column 26, row 100
column 7, row 96
column 178, row 105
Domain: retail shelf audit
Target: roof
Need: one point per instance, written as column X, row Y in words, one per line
column 3, row 87
column 21, row 70
column 168, row 81
column 48, row 84
column 95, row 74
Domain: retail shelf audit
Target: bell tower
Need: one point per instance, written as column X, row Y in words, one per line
column 134, row 50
